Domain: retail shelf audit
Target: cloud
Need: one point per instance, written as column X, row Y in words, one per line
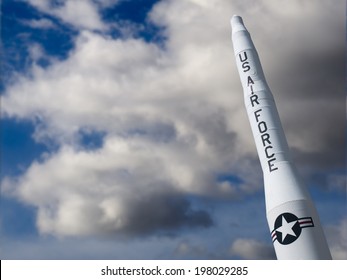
column 48, row 248
column 186, row 249
column 171, row 115
column 337, row 240
column 119, row 195
column 251, row 249
column 42, row 23
column 81, row 14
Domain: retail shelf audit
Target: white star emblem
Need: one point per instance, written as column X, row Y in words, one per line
column 286, row 228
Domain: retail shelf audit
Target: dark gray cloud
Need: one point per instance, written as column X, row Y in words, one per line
column 163, row 213
column 312, row 107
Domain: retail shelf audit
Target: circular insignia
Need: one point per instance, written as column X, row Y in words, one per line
column 287, row 228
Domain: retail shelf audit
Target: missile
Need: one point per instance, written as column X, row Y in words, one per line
column 294, row 224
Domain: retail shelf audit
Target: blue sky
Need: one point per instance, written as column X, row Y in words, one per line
column 124, row 134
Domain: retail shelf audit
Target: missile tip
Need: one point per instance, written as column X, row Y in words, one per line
column 237, row 24
column 236, row 19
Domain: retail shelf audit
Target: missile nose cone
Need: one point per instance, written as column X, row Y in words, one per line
column 236, row 19
column 237, row 24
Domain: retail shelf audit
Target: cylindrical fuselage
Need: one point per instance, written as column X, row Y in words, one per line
column 294, row 224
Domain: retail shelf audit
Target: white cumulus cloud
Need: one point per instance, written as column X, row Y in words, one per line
column 78, row 13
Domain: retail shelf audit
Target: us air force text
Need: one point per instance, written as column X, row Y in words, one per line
column 262, row 126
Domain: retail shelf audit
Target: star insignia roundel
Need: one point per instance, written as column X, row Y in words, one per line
column 288, row 227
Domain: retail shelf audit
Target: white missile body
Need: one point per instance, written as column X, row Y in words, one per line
column 293, row 220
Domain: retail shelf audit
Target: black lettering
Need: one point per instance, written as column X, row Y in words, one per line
column 108, row 271
column 271, row 165
column 245, row 66
column 265, row 138
column 267, row 153
column 249, row 81
column 262, row 127
column 243, row 59
column 158, row 271
column 254, row 99
column 121, row 271
column 257, row 115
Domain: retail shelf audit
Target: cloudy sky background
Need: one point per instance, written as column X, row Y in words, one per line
column 124, row 133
